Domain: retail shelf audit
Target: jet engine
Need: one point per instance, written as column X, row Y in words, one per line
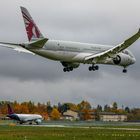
column 73, row 65
column 38, row 121
column 117, row 60
column 121, row 59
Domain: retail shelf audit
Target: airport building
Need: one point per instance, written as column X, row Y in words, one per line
column 112, row 117
column 70, row 115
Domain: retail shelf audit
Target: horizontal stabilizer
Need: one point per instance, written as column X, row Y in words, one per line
column 16, row 47
column 36, row 44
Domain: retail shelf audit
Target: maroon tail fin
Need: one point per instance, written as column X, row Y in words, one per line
column 10, row 110
column 32, row 30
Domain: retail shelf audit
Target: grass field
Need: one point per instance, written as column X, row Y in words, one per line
column 49, row 133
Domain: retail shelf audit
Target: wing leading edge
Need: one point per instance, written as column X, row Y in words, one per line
column 113, row 51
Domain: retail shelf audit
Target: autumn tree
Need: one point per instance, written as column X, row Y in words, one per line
column 3, row 107
column 49, row 108
column 44, row 115
column 31, row 107
column 127, row 109
column 24, row 107
column 86, row 114
column 134, row 115
column 55, row 114
column 17, row 108
column 71, row 106
column 107, row 108
column 114, row 107
column 63, row 107
column 99, row 108
column 84, row 105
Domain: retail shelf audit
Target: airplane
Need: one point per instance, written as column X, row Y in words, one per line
column 72, row 54
column 24, row 118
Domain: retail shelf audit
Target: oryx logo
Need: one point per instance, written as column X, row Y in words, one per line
column 117, row 60
column 31, row 28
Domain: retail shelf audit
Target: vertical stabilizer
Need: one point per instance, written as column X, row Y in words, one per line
column 10, row 110
column 32, row 30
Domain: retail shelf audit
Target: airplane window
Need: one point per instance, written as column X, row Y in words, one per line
column 128, row 53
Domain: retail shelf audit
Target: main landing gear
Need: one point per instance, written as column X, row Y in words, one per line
column 30, row 123
column 93, row 68
column 68, row 69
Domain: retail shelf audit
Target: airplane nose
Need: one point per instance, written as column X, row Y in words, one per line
column 133, row 60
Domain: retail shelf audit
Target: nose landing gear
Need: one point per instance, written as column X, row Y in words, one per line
column 124, row 70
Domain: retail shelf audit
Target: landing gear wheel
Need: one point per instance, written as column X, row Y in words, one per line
column 93, row 68
column 124, row 70
column 90, row 68
column 96, row 67
column 64, row 70
column 67, row 69
column 71, row 68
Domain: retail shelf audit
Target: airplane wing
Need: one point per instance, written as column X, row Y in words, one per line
column 113, row 51
column 16, row 47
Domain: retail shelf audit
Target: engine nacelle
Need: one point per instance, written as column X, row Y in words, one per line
column 117, row 60
column 122, row 59
column 73, row 65
column 38, row 121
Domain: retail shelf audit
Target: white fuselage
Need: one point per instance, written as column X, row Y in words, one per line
column 75, row 52
column 29, row 117
column 23, row 118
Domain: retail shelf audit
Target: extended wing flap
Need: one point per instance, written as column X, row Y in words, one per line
column 117, row 49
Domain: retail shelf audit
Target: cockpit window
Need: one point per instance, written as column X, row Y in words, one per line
column 128, row 53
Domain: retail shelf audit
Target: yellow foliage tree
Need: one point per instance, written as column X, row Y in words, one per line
column 86, row 114
column 55, row 114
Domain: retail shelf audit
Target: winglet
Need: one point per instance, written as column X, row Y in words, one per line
column 132, row 39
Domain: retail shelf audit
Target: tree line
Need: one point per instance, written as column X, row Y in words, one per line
column 54, row 112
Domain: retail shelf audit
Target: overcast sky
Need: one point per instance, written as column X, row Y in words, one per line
column 25, row 77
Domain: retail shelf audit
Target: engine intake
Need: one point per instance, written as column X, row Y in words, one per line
column 117, row 60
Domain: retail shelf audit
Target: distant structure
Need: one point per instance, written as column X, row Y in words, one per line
column 70, row 115
column 112, row 117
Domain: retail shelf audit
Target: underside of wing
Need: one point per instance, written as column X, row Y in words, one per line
column 115, row 50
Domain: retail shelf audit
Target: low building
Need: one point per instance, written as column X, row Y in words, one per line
column 112, row 117
column 70, row 115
